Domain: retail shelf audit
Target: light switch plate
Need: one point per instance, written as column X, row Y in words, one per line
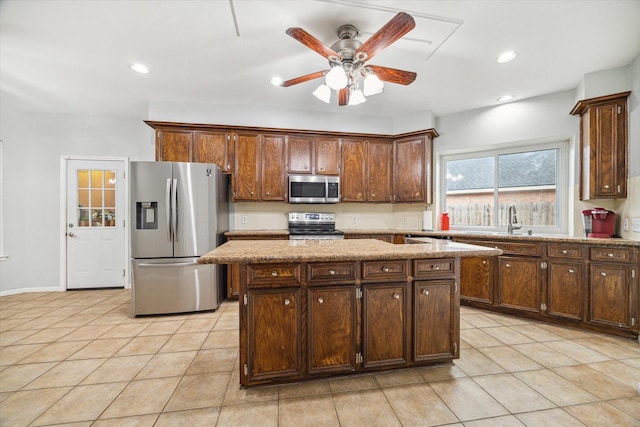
column 635, row 225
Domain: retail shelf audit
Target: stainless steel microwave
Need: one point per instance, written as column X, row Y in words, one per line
column 314, row 189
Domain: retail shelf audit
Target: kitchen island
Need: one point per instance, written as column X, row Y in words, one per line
column 316, row 308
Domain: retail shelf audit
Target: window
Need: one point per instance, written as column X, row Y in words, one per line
column 479, row 187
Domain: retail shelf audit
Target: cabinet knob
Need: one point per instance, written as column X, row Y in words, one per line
column 564, row 252
column 287, row 301
column 571, row 270
column 603, row 274
column 435, row 267
column 373, row 195
column 507, row 265
column 606, row 186
column 332, row 272
column 417, row 194
column 386, row 269
column 359, row 195
column 320, row 300
column 268, row 193
column 274, row 273
column 252, row 193
column 425, row 292
column 484, row 262
column 610, row 255
column 396, row 296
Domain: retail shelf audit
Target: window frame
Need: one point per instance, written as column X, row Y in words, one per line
column 563, row 190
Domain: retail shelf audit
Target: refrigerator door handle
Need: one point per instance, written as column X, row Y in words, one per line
column 171, row 264
column 167, row 205
column 174, row 210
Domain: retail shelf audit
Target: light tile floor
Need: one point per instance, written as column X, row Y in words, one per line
column 79, row 358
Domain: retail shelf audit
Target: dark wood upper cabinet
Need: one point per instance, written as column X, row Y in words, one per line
column 373, row 168
column 300, row 154
column 246, row 172
column 603, row 146
column 273, row 167
column 212, row 147
column 353, row 177
column 174, row 145
column 412, row 171
column 379, row 167
column 327, row 156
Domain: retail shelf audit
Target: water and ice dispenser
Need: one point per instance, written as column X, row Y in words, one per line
column 146, row 215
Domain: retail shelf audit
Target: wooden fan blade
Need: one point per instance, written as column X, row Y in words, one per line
column 311, row 42
column 303, row 79
column 392, row 75
column 343, row 96
column 399, row 25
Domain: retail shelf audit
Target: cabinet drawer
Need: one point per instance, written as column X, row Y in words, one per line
column 385, row 270
column 272, row 275
column 612, row 254
column 331, row 272
column 510, row 248
column 565, row 251
column 433, row 267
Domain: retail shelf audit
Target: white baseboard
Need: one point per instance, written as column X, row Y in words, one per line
column 25, row 290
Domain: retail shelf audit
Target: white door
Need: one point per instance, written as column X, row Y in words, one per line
column 95, row 233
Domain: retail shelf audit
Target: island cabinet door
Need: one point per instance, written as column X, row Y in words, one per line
column 385, row 326
column 332, row 329
column 274, row 334
column 610, row 302
column 433, row 310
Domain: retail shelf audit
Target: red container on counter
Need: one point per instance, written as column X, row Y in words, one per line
column 444, row 221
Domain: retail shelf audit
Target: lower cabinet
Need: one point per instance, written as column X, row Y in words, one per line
column 610, row 302
column 385, row 323
column 274, row 319
column 519, row 284
column 588, row 286
column 476, row 280
column 434, row 329
column 332, row 323
column 313, row 320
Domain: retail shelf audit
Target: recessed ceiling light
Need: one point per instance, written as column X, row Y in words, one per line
column 507, row 57
column 276, row 81
column 506, row 98
column 140, row 68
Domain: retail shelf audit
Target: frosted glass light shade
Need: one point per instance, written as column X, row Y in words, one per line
column 336, row 79
column 372, row 85
column 323, row 93
column 356, row 97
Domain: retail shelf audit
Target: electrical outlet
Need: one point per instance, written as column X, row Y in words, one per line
column 354, row 219
column 625, row 224
column 404, row 219
column 244, row 219
column 635, row 225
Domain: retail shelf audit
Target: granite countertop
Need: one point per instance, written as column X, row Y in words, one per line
column 481, row 235
column 269, row 251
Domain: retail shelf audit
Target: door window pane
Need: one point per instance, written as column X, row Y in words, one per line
column 96, row 198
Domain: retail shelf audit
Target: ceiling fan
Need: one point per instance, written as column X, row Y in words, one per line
column 347, row 59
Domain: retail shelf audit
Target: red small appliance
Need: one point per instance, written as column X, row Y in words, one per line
column 602, row 221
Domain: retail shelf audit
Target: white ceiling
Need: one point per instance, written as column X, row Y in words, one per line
column 73, row 56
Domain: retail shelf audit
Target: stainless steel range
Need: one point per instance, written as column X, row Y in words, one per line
column 313, row 225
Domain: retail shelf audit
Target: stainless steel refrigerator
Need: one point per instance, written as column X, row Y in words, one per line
column 179, row 211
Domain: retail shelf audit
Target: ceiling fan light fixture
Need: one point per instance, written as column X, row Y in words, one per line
column 337, row 79
column 372, row 85
column 276, row 81
column 323, row 93
column 356, row 97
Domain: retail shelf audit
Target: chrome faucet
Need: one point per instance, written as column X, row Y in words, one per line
column 512, row 220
